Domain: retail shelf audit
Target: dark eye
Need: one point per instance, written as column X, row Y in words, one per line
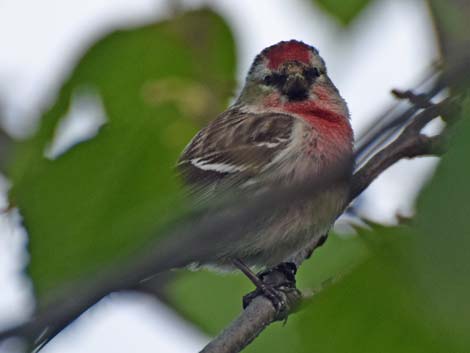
column 274, row 79
column 268, row 80
column 312, row 73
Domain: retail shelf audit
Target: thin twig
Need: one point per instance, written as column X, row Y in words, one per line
column 244, row 329
column 249, row 324
column 418, row 100
column 409, row 144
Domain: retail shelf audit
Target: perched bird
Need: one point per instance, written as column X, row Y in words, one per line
column 289, row 124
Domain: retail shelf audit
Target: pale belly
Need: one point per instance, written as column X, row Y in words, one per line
column 288, row 233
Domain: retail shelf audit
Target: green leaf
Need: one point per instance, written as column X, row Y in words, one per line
column 344, row 11
column 378, row 307
column 440, row 253
column 374, row 309
column 106, row 197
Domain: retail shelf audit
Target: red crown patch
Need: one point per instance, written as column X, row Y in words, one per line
column 288, row 51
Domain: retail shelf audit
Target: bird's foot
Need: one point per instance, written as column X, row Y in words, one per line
column 276, row 284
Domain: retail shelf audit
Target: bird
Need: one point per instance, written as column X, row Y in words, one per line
column 288, row 125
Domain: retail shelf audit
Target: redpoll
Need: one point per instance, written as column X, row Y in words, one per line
column 288, row 124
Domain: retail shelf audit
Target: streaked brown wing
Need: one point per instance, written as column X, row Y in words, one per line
column 234, row 148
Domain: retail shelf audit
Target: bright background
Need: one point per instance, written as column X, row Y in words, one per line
column 389, row 46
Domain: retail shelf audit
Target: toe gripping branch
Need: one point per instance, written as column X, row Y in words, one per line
column 277, row 284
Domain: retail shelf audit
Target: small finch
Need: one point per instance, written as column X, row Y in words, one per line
column 289, row 124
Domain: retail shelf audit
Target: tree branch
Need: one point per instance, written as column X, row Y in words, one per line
column 409, row 144
column 246, row 327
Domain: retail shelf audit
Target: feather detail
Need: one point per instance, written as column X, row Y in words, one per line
column 235, row 147
column 216, row 167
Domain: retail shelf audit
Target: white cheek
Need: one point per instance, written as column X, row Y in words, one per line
column 320, row 79
column 260, row 72
column 267, row 89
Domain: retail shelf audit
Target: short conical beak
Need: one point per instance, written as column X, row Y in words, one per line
column 296, row 87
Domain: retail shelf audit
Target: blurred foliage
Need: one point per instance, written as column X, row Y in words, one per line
column 452, row 26
column 105, row 197
column 440, row 250
column 343, row 11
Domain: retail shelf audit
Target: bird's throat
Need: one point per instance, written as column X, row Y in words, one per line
column 327, row 118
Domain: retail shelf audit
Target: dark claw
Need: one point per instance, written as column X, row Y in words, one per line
column 288, row 269
column 273, row 294
column 248, row 298
column 276, row 281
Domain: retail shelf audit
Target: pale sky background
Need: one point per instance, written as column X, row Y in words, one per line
column 389, row 46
